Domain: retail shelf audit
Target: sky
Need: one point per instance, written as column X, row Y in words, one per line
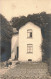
column 17, row 8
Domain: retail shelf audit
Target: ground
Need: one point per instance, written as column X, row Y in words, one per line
column 27, row 70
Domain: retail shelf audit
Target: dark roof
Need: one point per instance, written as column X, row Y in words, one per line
column 15, row 33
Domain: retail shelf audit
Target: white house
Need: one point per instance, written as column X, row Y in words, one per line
column 26, row 45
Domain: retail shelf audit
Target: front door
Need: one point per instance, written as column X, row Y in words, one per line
column 17, row 52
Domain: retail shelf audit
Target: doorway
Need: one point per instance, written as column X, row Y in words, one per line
column 17, row 52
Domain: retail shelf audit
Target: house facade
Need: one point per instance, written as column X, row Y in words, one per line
column 26, row 46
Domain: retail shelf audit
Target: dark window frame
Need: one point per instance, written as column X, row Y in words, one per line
column 28, row 46
column 30, row 32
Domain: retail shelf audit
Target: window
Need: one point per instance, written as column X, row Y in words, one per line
column 29, row 48
column 29, row 33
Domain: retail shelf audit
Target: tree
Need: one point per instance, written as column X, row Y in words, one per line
column 6, row 29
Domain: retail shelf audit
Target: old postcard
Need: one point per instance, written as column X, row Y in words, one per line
column 25, row 39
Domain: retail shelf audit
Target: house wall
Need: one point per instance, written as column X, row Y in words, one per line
column 36, row 40
column 14, row 45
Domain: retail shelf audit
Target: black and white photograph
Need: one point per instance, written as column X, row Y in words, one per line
column 25, row 39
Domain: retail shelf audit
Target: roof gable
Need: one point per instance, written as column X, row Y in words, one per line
column 29, row 24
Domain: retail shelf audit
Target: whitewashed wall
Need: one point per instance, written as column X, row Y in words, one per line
column 36, row 41
column 14, row 44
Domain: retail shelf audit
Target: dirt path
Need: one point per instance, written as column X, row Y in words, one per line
column 27, row 71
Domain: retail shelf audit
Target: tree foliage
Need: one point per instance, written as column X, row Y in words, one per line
column 6, row 29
